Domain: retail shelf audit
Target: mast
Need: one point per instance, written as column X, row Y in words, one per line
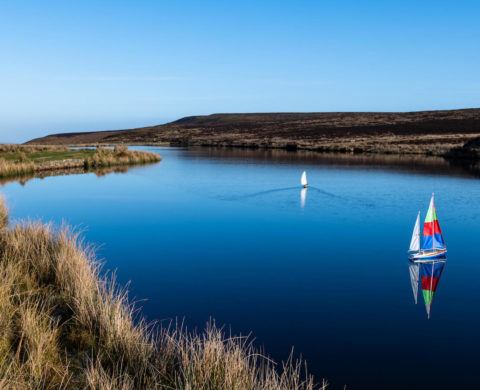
column 419, row 232
column 433, row 238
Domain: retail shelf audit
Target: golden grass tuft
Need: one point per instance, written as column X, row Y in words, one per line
column 120, row 155
column 64, row 325
column 15, row 168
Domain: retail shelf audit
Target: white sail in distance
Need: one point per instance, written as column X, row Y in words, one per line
column 415, row 242
column 303, row 180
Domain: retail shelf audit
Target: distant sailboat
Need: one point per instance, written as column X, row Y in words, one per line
column 433, row 245
column 303, row 180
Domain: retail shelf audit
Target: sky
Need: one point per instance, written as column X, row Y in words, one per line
column 100, row 65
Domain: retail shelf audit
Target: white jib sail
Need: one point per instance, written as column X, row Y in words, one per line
column 415, row 242
column 414, row 276
column 304, row 178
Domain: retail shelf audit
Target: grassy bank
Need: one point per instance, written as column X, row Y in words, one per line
column 17, row 160
column 63, row 325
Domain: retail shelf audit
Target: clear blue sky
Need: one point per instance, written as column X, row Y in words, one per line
column 97, row 65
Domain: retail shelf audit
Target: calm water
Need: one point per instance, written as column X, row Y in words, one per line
column 223, row 234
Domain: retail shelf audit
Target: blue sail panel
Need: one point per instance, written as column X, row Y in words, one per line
column 435, row 241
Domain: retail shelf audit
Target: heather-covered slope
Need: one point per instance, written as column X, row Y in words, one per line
column 430, row 132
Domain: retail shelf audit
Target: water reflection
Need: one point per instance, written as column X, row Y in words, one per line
column 418, row 164
column 303, row 197
column 414, row 270
column 428, row 273
column 99, row 172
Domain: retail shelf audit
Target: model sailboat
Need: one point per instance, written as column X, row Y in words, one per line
column 428, row 257
column 433, row 245
column 303, row 180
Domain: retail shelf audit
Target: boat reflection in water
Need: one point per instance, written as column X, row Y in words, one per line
column 303, row 197
column 428, row 274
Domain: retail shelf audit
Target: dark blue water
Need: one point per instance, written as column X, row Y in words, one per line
column 223, row 234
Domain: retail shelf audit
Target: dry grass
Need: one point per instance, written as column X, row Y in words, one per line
column 15, row 168
column 63, row 325
column 120, row 155
column 19, row 160
column 15, row 148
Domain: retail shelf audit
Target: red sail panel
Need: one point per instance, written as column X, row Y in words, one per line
column 430, row 228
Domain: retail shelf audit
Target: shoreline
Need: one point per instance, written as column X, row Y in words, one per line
column 426, row 145
column 431, row 145
column 21, row 160
column 465, row 157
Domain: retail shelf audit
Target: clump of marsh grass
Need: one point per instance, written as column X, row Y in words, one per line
column 15, row 168
column 120, row 155
column 64, row 325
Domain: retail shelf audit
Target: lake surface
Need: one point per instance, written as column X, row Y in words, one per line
column 227, row 235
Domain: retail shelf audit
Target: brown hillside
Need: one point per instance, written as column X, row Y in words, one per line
column 412, row 132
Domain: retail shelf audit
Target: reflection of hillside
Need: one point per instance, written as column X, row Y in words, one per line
column 402, row 163
column 23, row 179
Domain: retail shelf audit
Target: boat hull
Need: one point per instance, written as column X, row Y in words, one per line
column 430, row 255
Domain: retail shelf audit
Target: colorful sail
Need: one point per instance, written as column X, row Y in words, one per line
column 432, row 234
column 414, row 277
column 431, row 273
